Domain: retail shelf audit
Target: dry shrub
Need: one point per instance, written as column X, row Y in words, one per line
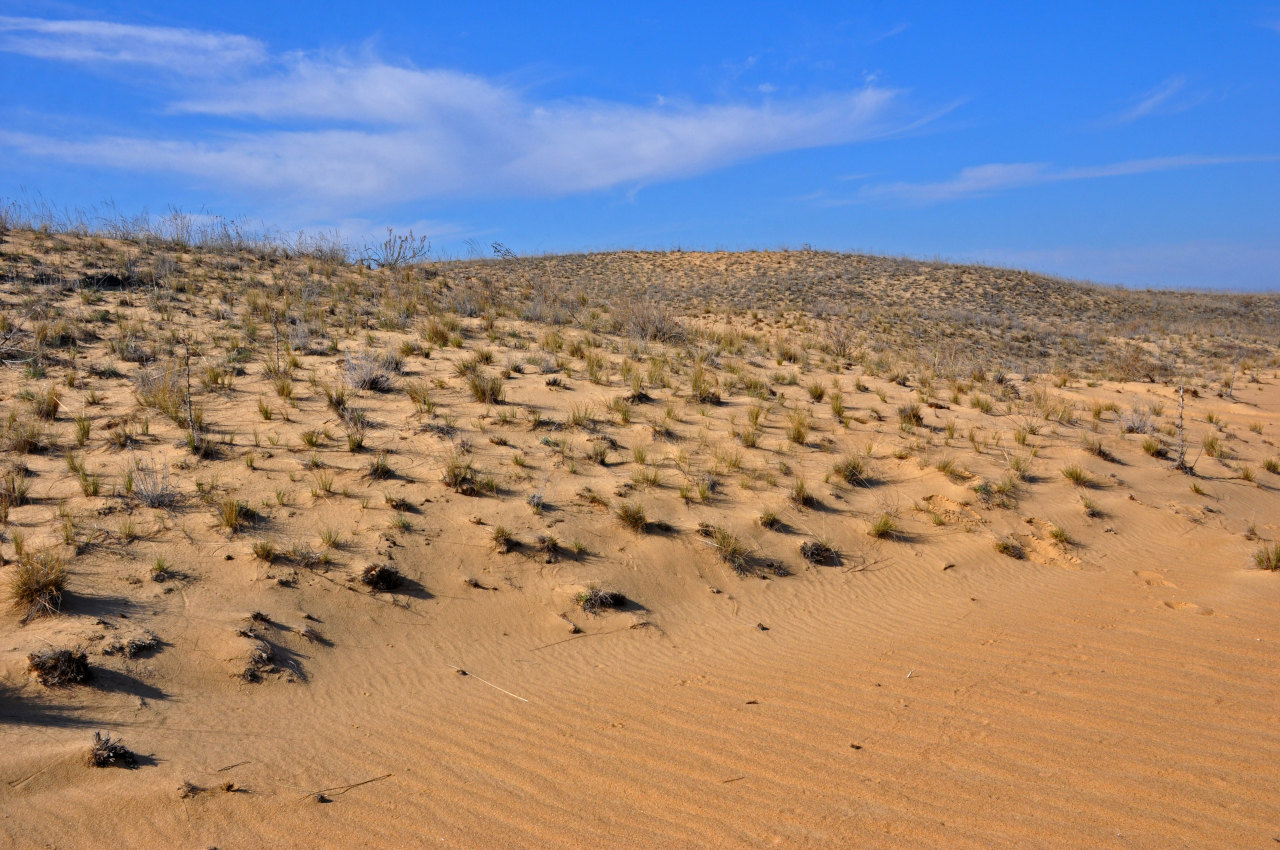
column 36, row 587
column 110, row 752
column 594, row 599
column 818, row 552
column 381, row 578
column 650, row 320
column 162, row 387
column 369, row 370
column 58, row 668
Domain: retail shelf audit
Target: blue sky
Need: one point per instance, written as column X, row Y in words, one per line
column 1121, row 142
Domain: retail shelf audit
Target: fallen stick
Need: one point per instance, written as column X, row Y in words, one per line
column 342, row 789
column 490, row 684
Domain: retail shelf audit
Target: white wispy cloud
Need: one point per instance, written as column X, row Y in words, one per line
column 341, row 129
column 993, row 177
column 897, row 29
column 182, row 51
column 1169, row 97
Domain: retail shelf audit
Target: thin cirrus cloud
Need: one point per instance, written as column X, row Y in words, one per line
column 322, row 128
column 994, row 177
column 1165, row 99
column 177, row 50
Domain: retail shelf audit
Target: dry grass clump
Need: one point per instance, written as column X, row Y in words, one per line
column 369, row 370
column 110, row 752
column 652, row 321
column 37, row 585
column 853, row 471
column 632, row 516
column 234, row 514
column 1267, row 557
column 503, row 540
column 819, row 552
column 163, row 387
column 1010, row 547
column 595, row 599
column 1077, row 475
column 381, row 578
column 458, row 473
column 153, row 487
column 486, row 389
column 798, row 422
column 57, row 668
column 885, row 527
column 728, row 548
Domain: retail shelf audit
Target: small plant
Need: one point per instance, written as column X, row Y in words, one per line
column 594, row 599
column 1268, row 557
column 1077, row 475
column 335, row 397
column 379, row 468
column 331, row 538
column 45, row 405
column 798, row 426
column 369, row 370
column 381, row 578
column 770, row 520
column 458, row 473
column 910, row 415
column 37, row 585
column 160, row 571
column 800, row 495
column 599, row 453
column 234, row 514
column 59, row 668
column 109, row 752
column 83, row 425
column 485, row 389
column 731, row 550
column 503, row 540
column 1010, row 547
column 153, row 487
column 818, row 552
column 853, row 471
column 264, row 550
column 632, row 516
column 1272, row 465
column 885, row 526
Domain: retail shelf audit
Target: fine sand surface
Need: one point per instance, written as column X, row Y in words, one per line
column 1019, row 662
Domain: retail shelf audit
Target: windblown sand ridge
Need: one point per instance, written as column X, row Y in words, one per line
column 1018, row 624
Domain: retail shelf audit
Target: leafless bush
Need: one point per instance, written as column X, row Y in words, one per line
column 369, row 370
column 650, row 320
column 152, row 486
column 57, row 668
column 396, row 250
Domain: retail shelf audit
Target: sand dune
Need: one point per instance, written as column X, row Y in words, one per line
column 1016, row 660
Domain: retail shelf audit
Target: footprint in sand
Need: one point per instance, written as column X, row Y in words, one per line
column 1191, row 607
column 1152, row 579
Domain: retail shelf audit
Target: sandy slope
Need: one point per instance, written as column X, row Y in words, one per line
column 1126, row 695
column 1118, row 686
